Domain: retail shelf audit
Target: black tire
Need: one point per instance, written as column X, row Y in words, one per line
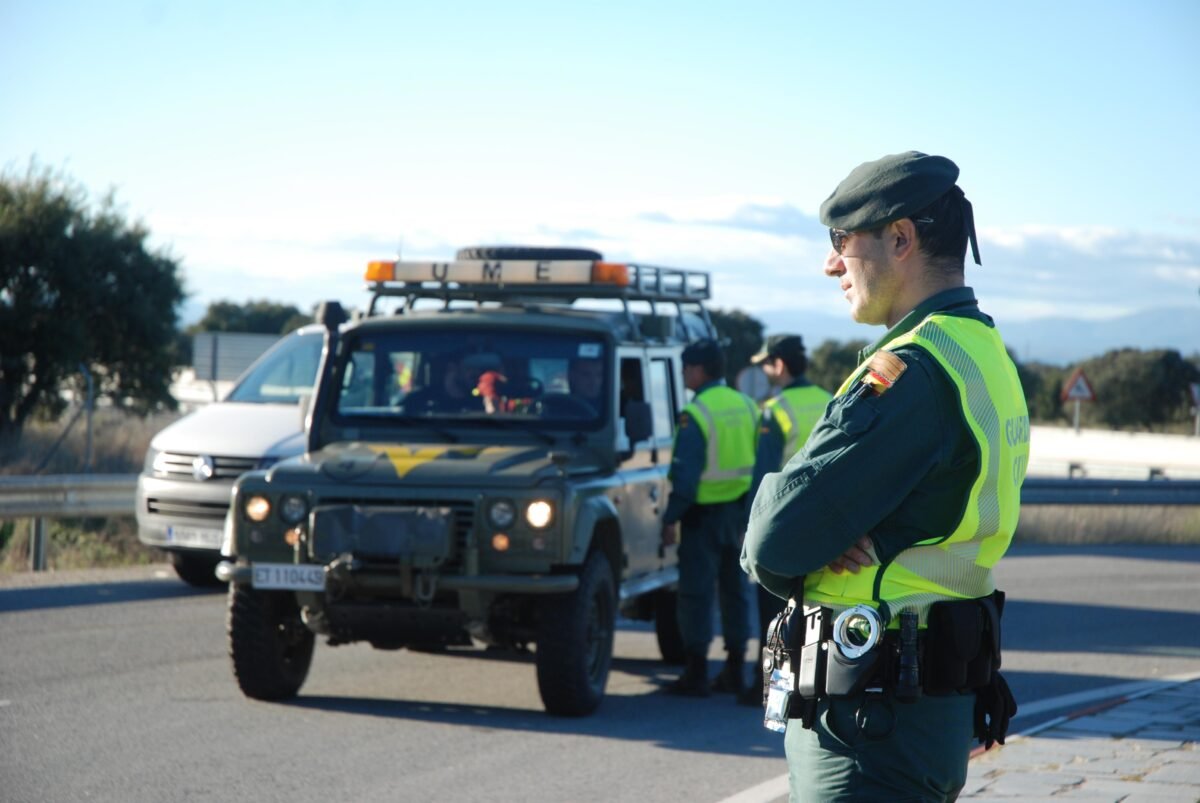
column 196, row 569
column 270, row 646
column 526, row 252
column 575, row 642
column 666, row 627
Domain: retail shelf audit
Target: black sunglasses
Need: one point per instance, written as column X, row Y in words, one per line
column 838, row 237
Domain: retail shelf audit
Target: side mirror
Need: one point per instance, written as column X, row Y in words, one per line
column 639, row 423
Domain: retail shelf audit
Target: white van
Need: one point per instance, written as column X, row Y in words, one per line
column 184, row 489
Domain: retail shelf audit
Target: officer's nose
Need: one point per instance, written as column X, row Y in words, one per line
column 834, row 266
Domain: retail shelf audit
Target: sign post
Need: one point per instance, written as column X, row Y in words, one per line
column 1077, row 389
column 1194, row 387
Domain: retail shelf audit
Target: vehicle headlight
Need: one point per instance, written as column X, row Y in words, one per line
column 502, row 514
column 539, row 514
column 257, row 508
column 293, row 509
column 148, row 466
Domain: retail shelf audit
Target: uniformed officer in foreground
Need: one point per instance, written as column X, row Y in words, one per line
column 918, row 463
column 711, row 467
column 787, row 419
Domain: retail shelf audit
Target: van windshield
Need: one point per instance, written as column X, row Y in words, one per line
column 478, row 376
column 284, row 373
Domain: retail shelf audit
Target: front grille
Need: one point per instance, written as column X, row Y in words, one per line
column 178, row 465
column 187, row 508
column 462, row 509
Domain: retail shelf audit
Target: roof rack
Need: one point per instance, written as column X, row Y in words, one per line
column 528, row 281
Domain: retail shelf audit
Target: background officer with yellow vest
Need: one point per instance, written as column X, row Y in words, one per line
column 711, row 467
column 918, row 462
column 787, row 418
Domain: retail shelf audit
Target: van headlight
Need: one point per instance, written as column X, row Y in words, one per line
column 539, row 514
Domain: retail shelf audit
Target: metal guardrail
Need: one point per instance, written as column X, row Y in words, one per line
column 63, row 495
column 67, row 495
column 1056, row 491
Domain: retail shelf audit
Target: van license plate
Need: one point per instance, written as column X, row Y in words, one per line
column 288, row 576
column 194, row 536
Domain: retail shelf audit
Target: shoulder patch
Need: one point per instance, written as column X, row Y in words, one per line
column 883, row 370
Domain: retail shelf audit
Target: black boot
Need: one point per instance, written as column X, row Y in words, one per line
column 732, row 679
column 694, row 680
column 753, row 694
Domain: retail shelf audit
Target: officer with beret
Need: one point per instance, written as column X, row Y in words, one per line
column 884, row 529
column 711, row 466
column 787, row 418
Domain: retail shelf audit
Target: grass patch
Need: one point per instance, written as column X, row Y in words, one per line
column 77, row 544
column 118, row 446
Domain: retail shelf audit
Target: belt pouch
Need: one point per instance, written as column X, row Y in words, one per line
column 952, row 643
column 846, row 677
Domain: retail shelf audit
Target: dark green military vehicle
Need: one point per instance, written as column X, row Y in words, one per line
column 486, row 467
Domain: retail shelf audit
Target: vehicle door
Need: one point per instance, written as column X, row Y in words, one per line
column 647, row 374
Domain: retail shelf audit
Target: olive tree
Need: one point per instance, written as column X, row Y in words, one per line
column 80, row 294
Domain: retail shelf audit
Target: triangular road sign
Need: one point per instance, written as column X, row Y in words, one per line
column 1077, row 388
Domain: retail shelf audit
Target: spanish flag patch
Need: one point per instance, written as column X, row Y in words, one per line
column 883, row 370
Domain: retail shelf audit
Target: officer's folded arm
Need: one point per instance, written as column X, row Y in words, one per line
column 859, row 464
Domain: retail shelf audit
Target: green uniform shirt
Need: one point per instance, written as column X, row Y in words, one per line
column 897, row 466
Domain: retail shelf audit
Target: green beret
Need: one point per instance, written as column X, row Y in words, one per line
column 891, row 188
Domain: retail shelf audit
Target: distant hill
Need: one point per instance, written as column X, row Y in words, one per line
column 1057, row 341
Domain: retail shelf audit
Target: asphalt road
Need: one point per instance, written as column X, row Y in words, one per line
column 117, row 688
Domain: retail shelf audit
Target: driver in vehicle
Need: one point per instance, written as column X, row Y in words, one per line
column 586, row 378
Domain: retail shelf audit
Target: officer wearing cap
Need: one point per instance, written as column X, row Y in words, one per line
column 902, row 500
column 787, row 418
column 711, row 466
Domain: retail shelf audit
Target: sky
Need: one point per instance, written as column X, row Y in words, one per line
column 273, row 148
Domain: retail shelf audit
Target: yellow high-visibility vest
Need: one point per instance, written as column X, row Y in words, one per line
column 958, row 564
column 797, row 411
column 729, row 421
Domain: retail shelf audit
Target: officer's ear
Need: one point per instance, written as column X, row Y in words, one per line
column 901, row 238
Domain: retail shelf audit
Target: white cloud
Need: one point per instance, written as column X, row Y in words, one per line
column 765, row 255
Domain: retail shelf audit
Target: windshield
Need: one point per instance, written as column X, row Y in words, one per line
column 480, row 376
column 284, row 373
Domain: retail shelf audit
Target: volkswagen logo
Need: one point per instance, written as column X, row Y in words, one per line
column 203, row 468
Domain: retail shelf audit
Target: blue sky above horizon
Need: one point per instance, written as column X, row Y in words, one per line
column 275, row 147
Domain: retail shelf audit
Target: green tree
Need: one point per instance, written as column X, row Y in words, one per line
column 742, row 336
column 832, row 362
column 1043, row 391
column 262, row 317
column 79, row 289
column 1139, row 389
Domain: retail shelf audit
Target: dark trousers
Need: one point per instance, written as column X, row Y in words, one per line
column 710, row 548
column 880, row 750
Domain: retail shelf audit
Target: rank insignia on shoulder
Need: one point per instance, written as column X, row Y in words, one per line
column 883, row 370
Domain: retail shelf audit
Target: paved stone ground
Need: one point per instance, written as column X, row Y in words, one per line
column 1144, row 749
